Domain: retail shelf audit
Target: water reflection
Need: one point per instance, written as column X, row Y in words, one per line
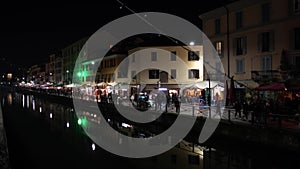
column 33, row 105
column 23, row 100
column 9, row 99
column 62, row 119
column 93, row 147
column 27, row 98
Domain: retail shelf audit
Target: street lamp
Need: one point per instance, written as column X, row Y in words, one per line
column 67, row 79
column 228, row 61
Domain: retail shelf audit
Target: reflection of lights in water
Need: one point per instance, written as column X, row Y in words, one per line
column 68, row 124
column 40, row 109
column 50, row 115
column 9, row 98
column 23, row 100
column 93, row 147
column 33, row 105
column 27, row 101
column 3, row 102
column 79, row 121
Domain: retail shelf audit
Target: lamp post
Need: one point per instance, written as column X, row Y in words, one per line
column 67, row 79
column 50, row 77
column 227, row 24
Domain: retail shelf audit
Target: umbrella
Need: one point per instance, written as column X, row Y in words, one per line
column 102, row 85
column 200, row 85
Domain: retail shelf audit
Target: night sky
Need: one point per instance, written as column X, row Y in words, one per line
column 31, row 32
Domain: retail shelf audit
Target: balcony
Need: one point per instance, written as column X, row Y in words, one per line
column 261, row 76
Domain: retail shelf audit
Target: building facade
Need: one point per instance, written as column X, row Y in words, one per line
column 69, row 57
column 36, row 74
column 146, row 68
column 166, row 67
column 101, row 71
column 257, row 40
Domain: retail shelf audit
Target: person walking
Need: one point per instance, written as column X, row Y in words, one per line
column 238, row 108
column 177, row 105
column 245, row 110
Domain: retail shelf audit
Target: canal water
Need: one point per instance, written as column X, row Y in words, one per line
column 44, row 134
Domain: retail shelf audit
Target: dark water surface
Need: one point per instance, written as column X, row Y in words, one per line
column 42, row 134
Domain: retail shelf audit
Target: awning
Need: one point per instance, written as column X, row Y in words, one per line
column 274, row 86
column 201, row 85
column 248, row 83
column 154, row 86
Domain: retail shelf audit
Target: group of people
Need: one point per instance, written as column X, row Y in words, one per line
column 260, row 110
column 159, row 101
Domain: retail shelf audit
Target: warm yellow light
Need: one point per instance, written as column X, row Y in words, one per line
column 9, row 76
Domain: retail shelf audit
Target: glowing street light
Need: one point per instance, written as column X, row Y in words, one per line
column 93, row 147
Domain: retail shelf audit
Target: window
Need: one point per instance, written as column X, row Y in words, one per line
column 193, row 55
column 217, row 26
column 173, row 56
column 297, row 62
column 133, row 74
column 122, row 74
column 240, row 46
column 240, row 66
column 266, row 63
column 123, row 69
column 154, row 74
column 295, row 6
column 266, row 42
column 173, row 73
column 194, row 159
column 153, row 56
column 193, row 73
column 219, row 46
column 103, row 78
column 163, row 77
column 297, row 38
column 265, row 12
column 239, row 20
column 105, row 64
column 112, row 62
